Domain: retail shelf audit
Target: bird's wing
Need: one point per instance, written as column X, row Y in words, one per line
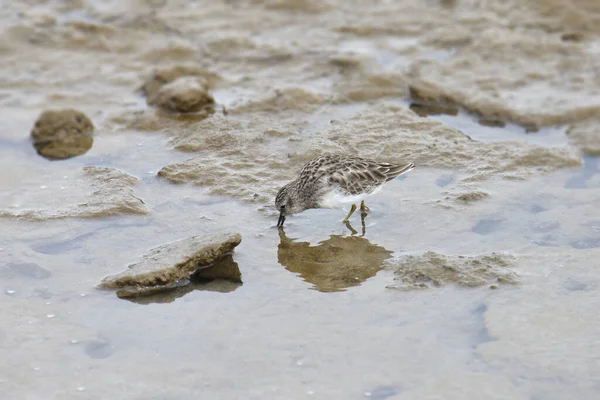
column 317, row 170
column 355, row 176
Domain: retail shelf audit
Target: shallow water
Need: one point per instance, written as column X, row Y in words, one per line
column 319, row 313
column 276, row 336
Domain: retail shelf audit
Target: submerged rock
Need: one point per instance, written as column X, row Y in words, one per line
column 434, row 270
column 166, row 266
column 62, row 134
column 334, row 264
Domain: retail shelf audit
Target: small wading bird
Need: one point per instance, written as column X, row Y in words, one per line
column 335, row 181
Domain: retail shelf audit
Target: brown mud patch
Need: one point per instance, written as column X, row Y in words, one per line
column 435, row 270
column 239, row 161
column 586, row 136
column 533, row 80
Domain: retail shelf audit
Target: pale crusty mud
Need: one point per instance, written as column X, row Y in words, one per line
column 533, row 71
column 166, row 265
column 586, row 136
column 92, row 192
column 245, row 163
column 334, row 264
column 432, row 269
column 62, row 134
column 517, row 82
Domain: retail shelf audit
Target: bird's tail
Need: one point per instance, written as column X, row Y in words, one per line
column 398, row 170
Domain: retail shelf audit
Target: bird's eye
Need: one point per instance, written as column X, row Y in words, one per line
column 282, row 207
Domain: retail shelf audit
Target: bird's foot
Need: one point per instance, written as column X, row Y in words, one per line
column 352, row 230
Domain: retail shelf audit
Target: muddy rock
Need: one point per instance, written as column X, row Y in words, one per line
column 92, row 192
column 334, row 264
column 586, row 136
column 164, row 76
column 183, row 95
column 164, row 267
column 62, row 134
column 435, row 270
column 223, row 276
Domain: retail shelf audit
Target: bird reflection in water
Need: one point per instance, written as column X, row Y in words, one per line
column 334, row 264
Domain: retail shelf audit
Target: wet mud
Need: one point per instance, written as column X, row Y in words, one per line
column 181, row 119
column 435, row 270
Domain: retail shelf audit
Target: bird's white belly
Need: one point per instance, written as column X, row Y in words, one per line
column 335, row 199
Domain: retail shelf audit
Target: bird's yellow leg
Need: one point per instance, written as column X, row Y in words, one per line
column 352, row 209
column 363, row 208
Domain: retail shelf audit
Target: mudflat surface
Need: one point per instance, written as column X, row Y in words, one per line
column 477, row 274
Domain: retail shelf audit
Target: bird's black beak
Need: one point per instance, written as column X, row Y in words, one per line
column 281, row 220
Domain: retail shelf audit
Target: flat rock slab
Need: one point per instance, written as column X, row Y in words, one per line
column 167, row 265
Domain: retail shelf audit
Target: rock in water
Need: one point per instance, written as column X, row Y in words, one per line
column 180, row 89
column 166, row 265
column 184, row 95
column 62, row 134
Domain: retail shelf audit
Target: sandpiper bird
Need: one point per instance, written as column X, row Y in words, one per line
column 335, row 181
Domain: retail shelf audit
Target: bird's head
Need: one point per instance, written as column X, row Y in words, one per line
column 287, row 203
